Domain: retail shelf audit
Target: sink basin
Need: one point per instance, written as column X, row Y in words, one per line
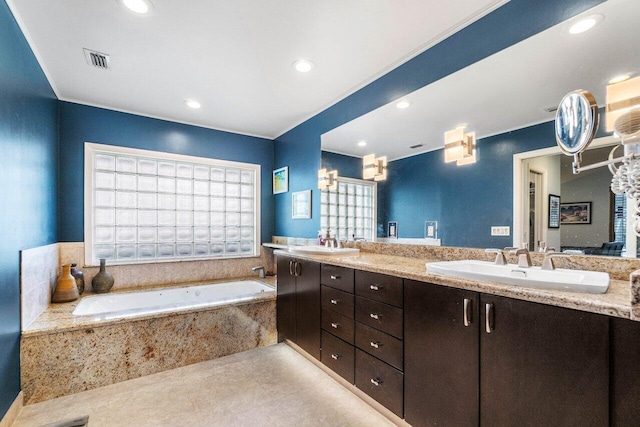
column 534, row 277
column 321, row 250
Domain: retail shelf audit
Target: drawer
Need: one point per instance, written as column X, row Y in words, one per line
column 381, row 345
column 337, row 277
column 338, row 301
column 381, row 381
column 341, row 326
column 383, row 317
column 379, row 287
column 338, row 356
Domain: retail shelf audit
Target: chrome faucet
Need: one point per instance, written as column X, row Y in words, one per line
column 547, row 262
column 524, row 258
column 260, row 269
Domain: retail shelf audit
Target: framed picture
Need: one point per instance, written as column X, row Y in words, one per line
column 393, row 229
column 575, row 213
column 281, row 180
column 554, row 211
column 301, row 204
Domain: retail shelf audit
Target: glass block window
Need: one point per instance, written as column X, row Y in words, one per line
column 145, row 206
column 350, row 210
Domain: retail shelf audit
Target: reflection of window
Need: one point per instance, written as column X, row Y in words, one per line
column 350, row 210
column 619, row 217
column 149, row 206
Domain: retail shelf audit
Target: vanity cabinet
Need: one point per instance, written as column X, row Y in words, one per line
column 298, row 303
column 625, row 373
column 486, row 360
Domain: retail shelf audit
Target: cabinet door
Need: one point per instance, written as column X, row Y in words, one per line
column 625, row 375
column 308, row 307
column 286, row 300
column 542, row 365
column 441, row 356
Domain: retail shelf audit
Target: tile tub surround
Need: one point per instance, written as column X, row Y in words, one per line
column 39, row 268
column 62, row 357
column 166, row 273
column 616, row 302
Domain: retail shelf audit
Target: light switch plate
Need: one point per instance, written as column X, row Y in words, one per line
column 504, row 230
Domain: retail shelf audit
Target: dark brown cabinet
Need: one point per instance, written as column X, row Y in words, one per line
column 516, row 363
column 298, row 303
column 625, row 373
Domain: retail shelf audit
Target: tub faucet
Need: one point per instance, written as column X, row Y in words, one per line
column 260, row 269
column 524, row 258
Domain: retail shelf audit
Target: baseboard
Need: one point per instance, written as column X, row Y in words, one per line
column 13, row 412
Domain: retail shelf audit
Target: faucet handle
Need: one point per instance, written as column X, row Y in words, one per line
column 547, row 262
column 500, row 258
column 510, row 248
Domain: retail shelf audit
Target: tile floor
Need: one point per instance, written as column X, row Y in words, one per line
column 268, row 386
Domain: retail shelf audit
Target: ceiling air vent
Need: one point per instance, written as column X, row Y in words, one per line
column 416, row 146
column 551, row 109
column 97, row 59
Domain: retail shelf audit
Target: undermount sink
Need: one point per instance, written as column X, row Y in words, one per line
column 322, row 250
column 533, row 277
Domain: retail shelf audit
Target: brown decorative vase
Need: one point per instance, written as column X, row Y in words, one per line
column 103, row 281
column 66, row 288
column 77, row 274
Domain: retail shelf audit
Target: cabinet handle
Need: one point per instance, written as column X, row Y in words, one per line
column 374, row 287
column 374, row 316
column 334, row 277
column 334, row 301
column 376, row 382
column 375, row 344
column 488, row 318
column 468, row 317
column 335, row 325
column 298, row 268
column 335, row 356
column 290, row 268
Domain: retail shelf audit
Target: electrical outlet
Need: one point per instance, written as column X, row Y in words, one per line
column 500, row 230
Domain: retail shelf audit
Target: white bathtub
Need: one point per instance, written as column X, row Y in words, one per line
column 130, row 304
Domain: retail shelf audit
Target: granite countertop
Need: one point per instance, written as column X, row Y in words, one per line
column 615, row 302
column 59, row 317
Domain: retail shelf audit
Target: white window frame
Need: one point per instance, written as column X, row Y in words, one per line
column 374, row 220
column 93, row 148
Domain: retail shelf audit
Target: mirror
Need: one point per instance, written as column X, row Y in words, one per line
column 509, row 100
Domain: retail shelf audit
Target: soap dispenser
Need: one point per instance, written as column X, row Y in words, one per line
column 66, row 288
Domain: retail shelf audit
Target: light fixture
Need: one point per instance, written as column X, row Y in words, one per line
column 403, row 103
column 138, row 6
column 373, row 167
column 327, row 180
column 621, row 98
column 459, row 147
column 192, row 103
column 362, row 143
column 585, row 24
column 303, row 65
column 619, row 79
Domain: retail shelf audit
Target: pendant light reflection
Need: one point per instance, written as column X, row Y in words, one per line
column 327, row 180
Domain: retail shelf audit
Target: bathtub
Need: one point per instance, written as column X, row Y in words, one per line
column 131, row 304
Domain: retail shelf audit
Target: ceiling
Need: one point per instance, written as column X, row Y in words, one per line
column 233, row 56
column 508, row 90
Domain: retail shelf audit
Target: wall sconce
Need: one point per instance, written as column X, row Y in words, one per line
column 327, row 180
column 621, row 98
column 459, row 147
column 374, row 168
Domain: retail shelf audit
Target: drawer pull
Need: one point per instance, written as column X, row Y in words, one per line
column 335, row 356
column 375, row 344
column 374, row 316
column 335, row 325
column 374, row 287
column 376, row 382
column 334, row 277
column 334, row 301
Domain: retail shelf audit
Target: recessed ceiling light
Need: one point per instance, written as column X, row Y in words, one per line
column 303, row 65
column 362, row 143
column 585, row 24
column 404, row 103
column 192, row 103
column 619, row 79
column 137, row 6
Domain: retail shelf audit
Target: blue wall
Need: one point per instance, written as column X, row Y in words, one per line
column 28, row 140
column 81, row 123
column 299, row 148
column 347, row 166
